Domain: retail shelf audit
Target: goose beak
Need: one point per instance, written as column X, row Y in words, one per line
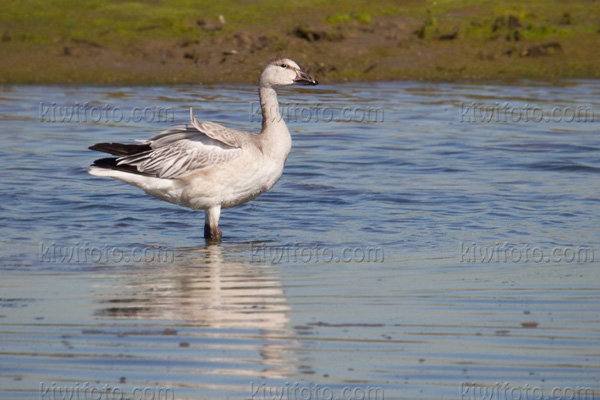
column 302, row 78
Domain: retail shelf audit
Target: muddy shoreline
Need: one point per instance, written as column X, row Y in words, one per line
column 465, row 44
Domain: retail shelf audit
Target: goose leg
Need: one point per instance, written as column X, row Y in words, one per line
column 211, row 224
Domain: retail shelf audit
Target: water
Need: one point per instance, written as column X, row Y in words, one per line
column 412, row 255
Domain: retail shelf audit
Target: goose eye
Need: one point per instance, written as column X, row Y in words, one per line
column 284, row 66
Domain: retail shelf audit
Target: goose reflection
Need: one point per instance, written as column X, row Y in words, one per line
column 212, row 299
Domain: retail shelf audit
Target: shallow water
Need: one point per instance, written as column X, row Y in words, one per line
column 412, row 254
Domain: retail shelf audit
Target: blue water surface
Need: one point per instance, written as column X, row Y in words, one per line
column 425, row 241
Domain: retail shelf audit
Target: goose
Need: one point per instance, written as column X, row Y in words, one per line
column 206, row 166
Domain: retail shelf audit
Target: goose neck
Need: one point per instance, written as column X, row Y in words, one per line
column 270, row 107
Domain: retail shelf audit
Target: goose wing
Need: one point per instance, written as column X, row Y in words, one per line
column 184, row 149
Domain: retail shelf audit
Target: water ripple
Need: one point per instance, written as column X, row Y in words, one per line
column 385, row 257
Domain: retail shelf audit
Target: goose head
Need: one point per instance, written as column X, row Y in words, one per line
column 284, row 72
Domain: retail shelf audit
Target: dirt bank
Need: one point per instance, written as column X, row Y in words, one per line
column 422, row 41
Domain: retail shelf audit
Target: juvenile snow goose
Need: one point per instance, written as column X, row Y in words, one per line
column 206, row 166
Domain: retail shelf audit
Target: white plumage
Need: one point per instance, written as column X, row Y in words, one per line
column 204, row 165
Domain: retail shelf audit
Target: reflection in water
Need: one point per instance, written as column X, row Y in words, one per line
column 202, row 290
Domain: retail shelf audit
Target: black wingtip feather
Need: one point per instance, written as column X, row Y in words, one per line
column 119, row 149
column 111, row 163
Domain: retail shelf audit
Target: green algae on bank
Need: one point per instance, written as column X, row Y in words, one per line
column 159, row 42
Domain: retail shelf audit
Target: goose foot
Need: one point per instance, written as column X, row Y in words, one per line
column 212, row 235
